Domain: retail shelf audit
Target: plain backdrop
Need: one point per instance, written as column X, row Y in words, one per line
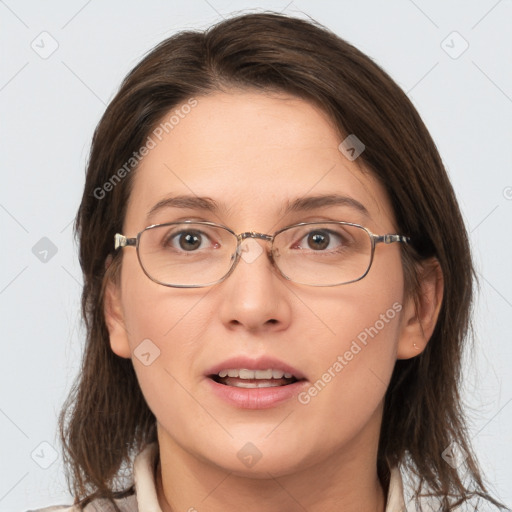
column 61, row 64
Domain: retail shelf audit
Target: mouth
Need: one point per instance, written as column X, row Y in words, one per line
column 255, row 383
column 251, row 379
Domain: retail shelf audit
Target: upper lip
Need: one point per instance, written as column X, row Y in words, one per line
column 260, row 363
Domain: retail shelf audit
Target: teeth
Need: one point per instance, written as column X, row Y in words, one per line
column 263, row 384
column 255, row 374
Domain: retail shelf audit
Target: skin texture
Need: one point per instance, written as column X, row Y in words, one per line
column 252, row 152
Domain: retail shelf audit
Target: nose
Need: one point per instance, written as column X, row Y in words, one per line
column 254, row 295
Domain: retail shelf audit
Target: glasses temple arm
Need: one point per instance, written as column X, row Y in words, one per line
column 389, row 239
column 122, row 241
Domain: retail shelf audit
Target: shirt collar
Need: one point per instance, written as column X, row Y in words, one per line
column 147, row 501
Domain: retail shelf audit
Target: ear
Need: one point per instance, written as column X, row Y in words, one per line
column 114, row 318
column 421, row 310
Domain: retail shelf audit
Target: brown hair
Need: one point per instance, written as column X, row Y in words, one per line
column 105, row 420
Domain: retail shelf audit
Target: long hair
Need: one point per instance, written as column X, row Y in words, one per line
column 105, row 419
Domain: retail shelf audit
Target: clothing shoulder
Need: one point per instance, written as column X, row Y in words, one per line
column 128, row 504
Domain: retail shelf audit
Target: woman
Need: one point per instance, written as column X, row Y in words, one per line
column 277, row 291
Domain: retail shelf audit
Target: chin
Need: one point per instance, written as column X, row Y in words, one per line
column 263, row 469
column 259, row 460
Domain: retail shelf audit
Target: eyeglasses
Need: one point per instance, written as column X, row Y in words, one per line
column 194, row 254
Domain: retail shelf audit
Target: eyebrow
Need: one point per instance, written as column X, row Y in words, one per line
column 300, row 204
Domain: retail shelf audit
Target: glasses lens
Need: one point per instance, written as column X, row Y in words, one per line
column 186, row 254
column 198, row 254
column 323, row 254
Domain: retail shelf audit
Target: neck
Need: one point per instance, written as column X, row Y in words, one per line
column 346, row 480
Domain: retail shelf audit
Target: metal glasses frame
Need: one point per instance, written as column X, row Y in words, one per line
column 121, row 241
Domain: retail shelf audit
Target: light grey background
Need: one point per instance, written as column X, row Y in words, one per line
column 50, row 106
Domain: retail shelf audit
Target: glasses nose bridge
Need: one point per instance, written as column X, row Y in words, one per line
column 254, row 234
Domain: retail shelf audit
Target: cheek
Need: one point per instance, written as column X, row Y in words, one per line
column 164, row 327
column 366, row 310
column 159, row 326
column 151, row 310
column 361, row 332
column 352, row 372
column 374, row 315
column 358, row 353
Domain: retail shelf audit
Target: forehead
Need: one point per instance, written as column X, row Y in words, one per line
column 253, row 154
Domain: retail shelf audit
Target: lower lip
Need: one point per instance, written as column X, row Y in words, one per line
column 256, row 398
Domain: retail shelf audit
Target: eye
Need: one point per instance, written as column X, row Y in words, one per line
column 187, row 240
column 322, row 240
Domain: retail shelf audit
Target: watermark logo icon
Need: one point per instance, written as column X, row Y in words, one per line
column 146, row 352
column 249, row 454
column 44, row 45
column 44, row 455
column 351, row 147
column 44, row 250
column 454, row 455
column 250, row 250
column 454, row 45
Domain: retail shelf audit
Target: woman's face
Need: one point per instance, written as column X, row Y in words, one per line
column 253, row 154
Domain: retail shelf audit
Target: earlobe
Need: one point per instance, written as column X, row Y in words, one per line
column 114, row 319
column 421, row 311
